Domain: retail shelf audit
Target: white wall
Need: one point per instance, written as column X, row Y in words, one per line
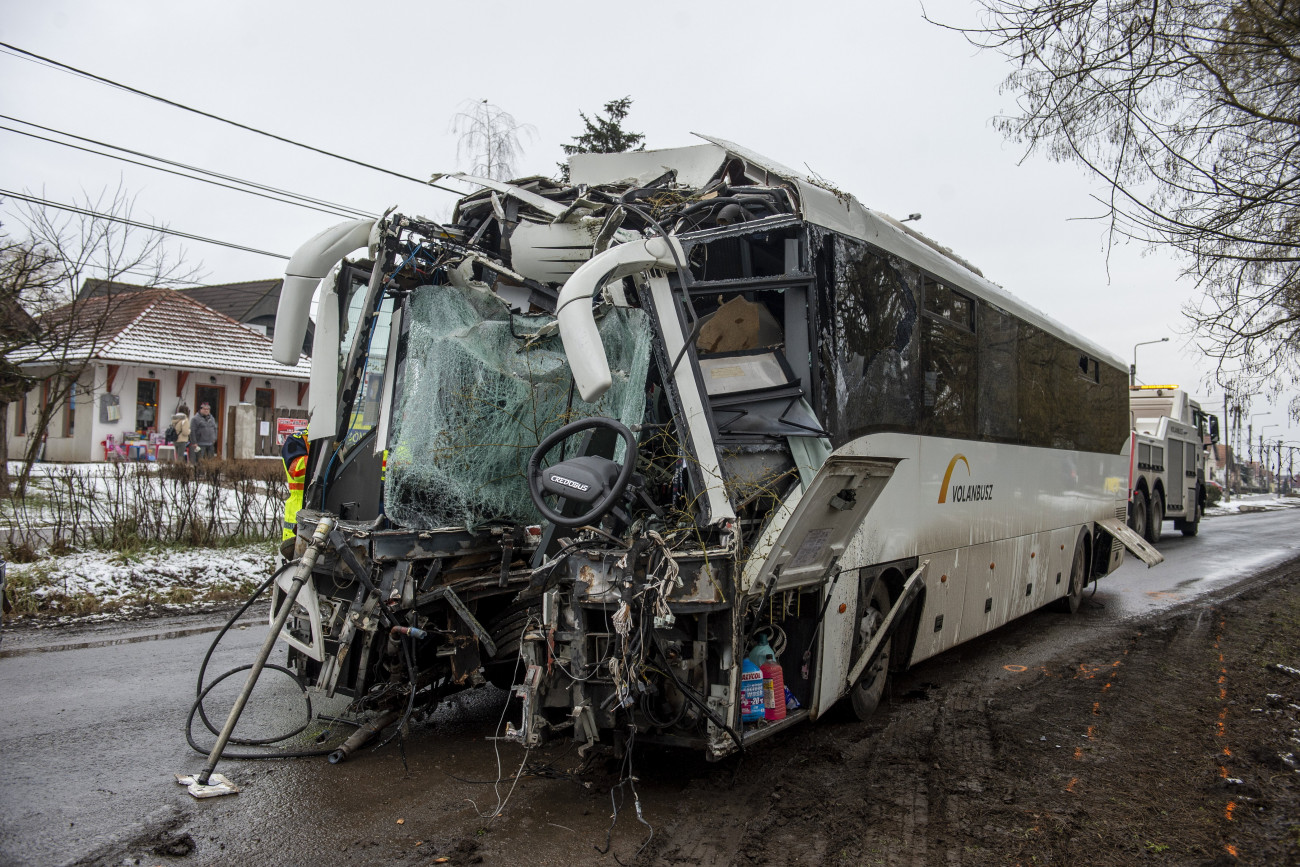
column 90, row 432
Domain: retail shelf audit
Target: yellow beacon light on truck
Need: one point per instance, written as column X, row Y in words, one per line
column 1150, row 387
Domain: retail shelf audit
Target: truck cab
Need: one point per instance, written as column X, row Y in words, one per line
column 1171, row 438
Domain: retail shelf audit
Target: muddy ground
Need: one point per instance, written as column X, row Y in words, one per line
column 1164, row 741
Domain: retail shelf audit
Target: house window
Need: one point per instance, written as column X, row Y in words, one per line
column 146, row 405
column 265, row 398
column 20, row 423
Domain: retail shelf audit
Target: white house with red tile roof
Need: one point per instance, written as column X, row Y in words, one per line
column 150, row 351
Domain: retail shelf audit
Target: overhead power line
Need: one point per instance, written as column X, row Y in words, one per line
column 46, row 203
column 117, row 84
column 295, row 199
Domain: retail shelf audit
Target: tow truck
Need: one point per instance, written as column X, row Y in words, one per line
column 1171, row 436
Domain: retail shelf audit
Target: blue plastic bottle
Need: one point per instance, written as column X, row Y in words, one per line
column 751, row 692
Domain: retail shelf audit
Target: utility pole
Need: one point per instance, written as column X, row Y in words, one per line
column 1279, row 468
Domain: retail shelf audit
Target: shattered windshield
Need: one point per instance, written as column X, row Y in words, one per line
column 477, row 396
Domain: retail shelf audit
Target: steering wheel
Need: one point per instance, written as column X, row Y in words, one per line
column 587, row 479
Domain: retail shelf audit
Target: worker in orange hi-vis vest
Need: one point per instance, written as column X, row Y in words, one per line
column 294, row 455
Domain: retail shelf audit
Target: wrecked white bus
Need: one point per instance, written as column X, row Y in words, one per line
column 594, row 442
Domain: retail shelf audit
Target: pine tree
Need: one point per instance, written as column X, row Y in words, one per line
column 604, row 135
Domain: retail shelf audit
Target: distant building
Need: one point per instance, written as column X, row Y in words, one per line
column 147, row 351
column 1222, row 467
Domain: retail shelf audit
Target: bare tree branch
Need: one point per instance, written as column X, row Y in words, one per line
column 43, row 277
column 1189, row 110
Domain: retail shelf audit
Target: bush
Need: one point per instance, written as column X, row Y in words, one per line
column 1213, row 494
column 128, row 506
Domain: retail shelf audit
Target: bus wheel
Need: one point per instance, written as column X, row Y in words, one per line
column 1137, row 514
column 870, row 688
column 1071, row 601
column 1155, row 517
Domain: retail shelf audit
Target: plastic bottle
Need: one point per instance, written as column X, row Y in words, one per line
column 762, row 650
column 751, row 692
column 773, row 689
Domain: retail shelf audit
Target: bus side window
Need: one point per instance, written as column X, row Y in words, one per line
column 999, row 411
column 951, row 383
column 872, row 366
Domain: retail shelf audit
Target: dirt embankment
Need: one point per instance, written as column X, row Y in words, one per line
column 1172, row 742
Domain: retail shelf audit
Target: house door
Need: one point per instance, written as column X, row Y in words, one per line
column 215, row 396
column 264, row 409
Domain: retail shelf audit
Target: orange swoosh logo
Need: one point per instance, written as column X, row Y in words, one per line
column 943, row 489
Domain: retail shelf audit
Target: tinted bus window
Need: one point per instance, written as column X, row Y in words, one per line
column 871, row 376
column 999, row 408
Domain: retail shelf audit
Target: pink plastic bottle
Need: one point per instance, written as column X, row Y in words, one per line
column 773, row 690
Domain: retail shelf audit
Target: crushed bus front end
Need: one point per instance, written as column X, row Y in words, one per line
column 576, row 443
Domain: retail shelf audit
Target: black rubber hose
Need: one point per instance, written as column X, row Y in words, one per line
column 284, row 754
column 201, row 691
column 699, row 701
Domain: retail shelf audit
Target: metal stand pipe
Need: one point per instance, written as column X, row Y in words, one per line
column 362, row 735
column 300, row 576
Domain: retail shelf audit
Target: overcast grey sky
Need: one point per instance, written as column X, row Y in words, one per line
column 867, row 95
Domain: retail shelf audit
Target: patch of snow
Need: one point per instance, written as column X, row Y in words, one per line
column 126, row 584
column 1253, row 503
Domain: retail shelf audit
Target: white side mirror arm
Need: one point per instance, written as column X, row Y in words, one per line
column 582, row 343
column 308, row 266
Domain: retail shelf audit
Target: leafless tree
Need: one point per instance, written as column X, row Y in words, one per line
column 489, row 139
column 1189, row 110
column 45, row 274
column 26, row 271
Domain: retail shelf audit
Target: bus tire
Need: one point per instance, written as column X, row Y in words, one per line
column 865, row 695
column 1070, row 602
column 1155, row 516
column 1137, row 513
column 506, row 628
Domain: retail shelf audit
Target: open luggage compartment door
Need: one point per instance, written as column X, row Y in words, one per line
column 824, row 520
column 1130, row 540
column 809, row 547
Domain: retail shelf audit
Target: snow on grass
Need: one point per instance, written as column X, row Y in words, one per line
column 1253, row 503
column 97, row 585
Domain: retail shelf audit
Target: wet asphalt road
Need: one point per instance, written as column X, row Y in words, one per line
column 90, row 738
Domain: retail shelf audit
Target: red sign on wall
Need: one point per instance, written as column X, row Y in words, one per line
column 287, row 427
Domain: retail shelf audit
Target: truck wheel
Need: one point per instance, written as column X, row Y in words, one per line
column 1155, row 517
column 1192, row 525
column 865, row 695
column 1137, row 514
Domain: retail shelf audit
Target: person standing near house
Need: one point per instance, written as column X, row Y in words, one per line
column 294, row 454
column 181, row 424
column 203, row 433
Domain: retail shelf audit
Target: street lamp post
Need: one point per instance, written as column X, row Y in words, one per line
column 1263, row 455
column 1250, row 436
column 1133, row 368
